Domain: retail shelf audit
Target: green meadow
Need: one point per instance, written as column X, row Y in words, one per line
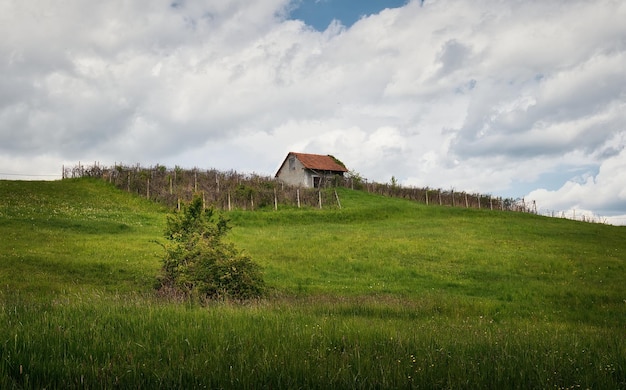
column 382, row 293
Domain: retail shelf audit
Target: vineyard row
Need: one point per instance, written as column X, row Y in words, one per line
column 228, row 190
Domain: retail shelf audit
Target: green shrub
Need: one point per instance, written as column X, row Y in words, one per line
column 199, row 264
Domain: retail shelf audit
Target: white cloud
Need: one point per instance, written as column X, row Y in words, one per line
column 603, row 194
column 484, row 96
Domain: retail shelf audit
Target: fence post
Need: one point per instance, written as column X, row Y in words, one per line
column 148, row 189
column 298, row 196
column 276, row 200
column 229, row 207
column 337, row 196
column 466, row 203
column 426, row 197
column 319, row 198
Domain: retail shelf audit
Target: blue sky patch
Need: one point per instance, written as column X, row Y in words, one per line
column 319, row 13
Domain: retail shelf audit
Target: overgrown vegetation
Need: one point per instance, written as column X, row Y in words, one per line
column 232, row 190
column 382, row 293
column 199, row 264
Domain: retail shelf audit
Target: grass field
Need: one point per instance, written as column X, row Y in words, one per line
column 383, row 293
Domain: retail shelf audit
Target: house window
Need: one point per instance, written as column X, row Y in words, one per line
column 292, row 163
column 316, row 181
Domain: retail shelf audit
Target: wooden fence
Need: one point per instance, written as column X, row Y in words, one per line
column 233, row 190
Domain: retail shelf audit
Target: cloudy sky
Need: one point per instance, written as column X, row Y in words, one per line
column 511, row 98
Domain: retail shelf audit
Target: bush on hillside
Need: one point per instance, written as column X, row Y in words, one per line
column 199, row 264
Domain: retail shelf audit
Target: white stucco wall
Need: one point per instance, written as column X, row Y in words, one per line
column 294, row 175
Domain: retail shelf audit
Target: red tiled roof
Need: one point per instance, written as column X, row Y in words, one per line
column 319, row 162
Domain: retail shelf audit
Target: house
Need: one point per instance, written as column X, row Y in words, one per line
column 309, row 170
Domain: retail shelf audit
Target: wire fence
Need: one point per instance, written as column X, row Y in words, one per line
column 228, row 190
column 232, row 190
column 582, row 215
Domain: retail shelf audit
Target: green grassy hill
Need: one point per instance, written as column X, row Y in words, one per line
column 72, row 235
column 381, row 293
column 506, row 261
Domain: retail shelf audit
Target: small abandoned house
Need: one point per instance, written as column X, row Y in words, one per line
column 309, row 170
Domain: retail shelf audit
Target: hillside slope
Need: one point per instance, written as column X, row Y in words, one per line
column 77, row 234
column 380, row 293
column 64, row 236
column 508, row 261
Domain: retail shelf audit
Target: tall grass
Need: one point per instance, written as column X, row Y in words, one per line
column 383, row 293
column 102, row 342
